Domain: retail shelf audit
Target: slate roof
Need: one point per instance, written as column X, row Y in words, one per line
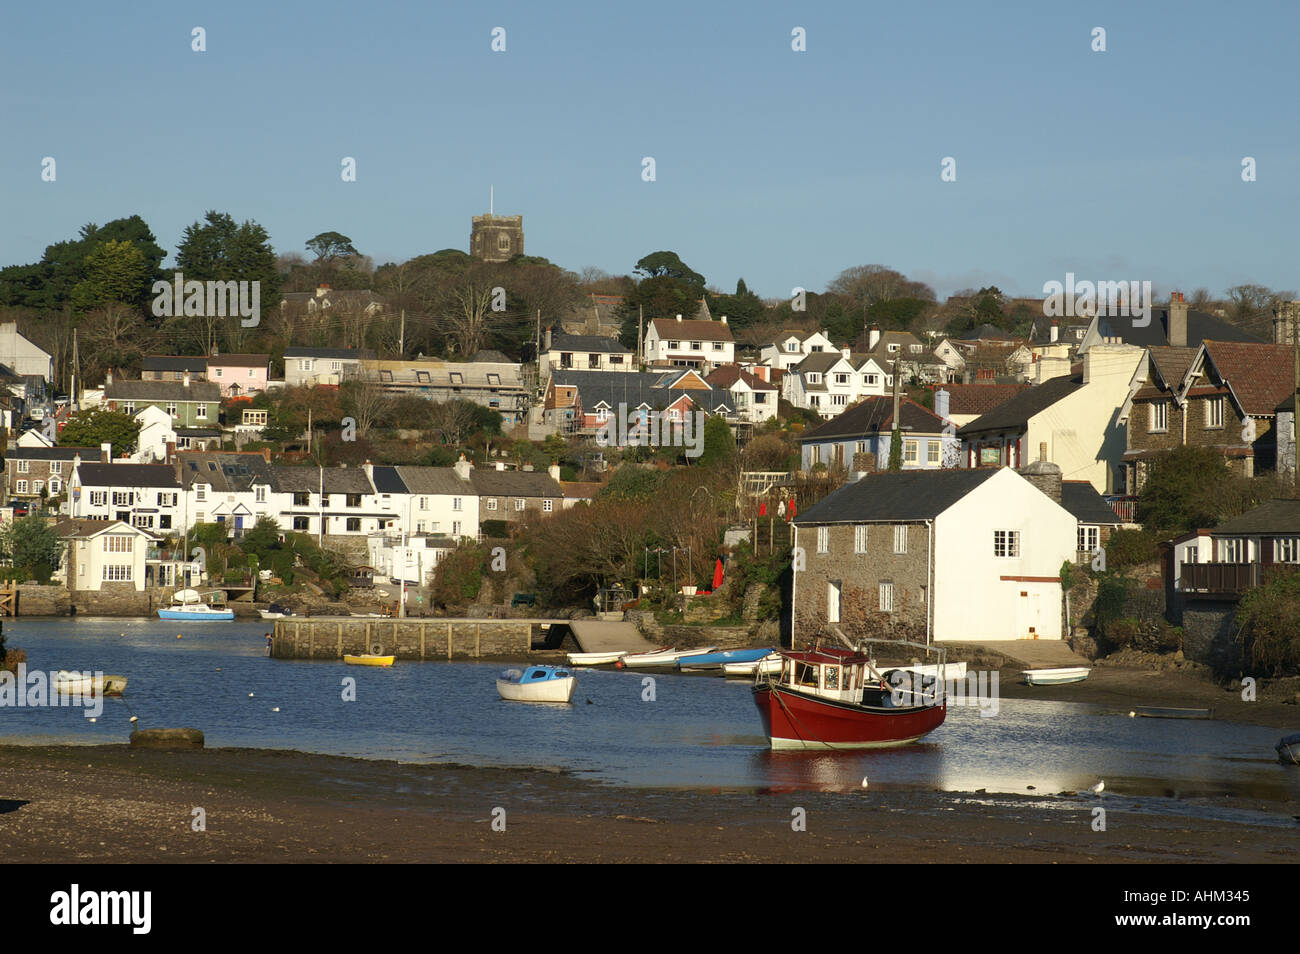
column 387, row 480
column 174, row 362
column 489, row 355
column 1082, row 500
column 1017, row 411
column 901, row 496
column 819, row 362
column 514, row 483
column 68, row 527
column 637, row 387
column 593, row 343
column 691, row 329
column 875, row 415
column 1200, row 326
column 162, row 391
column 979, row 398
column 1276, row 516
column 338, row 480
column 17, row 452
column 128, row 475
column 1260, row 375
column 728, row 374
column 345, row 353
column 1171, row 363
column 434, row 480
column 240, row 360
column 225, row 472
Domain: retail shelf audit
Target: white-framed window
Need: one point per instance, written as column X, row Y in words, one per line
column 1214, row 412
column 860, row 538
column 815, row 457
column 548, row 506
column 259, row 494
column 839, row 400
column 932, row 452
column 1159, row 416
column 893, row 348
column 841, row 379
column 201, row 411
column 218, row 371
column 144, row 520
column 24, row 466
column 171, row 408
column 886, row 597
column 900, row 538
column 1088, row 539
column 20, row 487
column 119, row 543
column 1232, row 551
column 98, row 498
column 114, row 573
column 123, row 498
column 56, row 485
column 814, row 377
column 1286, row 549
column 823, row 539
column 201, row 493
column 424, row 503
column 38, row 486
column 871, row 380
column 1006, row 543
column 456, row 503
column 56, row 467
column 910, row 455
column 455, row 528
column 861, row 447
column 128, row 407
column 519, row 504
column 492, row 503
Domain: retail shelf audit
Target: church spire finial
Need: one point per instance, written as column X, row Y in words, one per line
column 491, row 200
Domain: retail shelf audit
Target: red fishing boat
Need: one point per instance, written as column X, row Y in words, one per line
column 827, row 698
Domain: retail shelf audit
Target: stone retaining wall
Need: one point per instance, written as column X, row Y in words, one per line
column 323, row 638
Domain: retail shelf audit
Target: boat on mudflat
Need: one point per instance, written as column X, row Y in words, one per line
column 537, row 684
column 768, row 665
column 1288, row 749
column 661, row 657
column 1055, row 677
column 595, row 659
column 722, row 657
column 1169, row 712
column 827, row 698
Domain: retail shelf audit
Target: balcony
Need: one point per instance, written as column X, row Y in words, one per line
column 1228, row 580
column 1125, row 508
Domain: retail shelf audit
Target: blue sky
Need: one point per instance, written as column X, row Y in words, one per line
column 777, row 166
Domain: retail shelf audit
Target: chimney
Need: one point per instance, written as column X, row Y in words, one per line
column 1044, row 475
column 501, row 465
column 108, row 377
column 679, row 317
column 185, row 379
column 724, row 319
column 873, row 338
column 941, row 403
column 321, row 290
column 547, row 346
column 462, row 468
column 105, row 453
column 266, row 454
column 1177, row 320
column 1056, row 330
column 554, row 471
column 847, row 352
column 171, row 451
column 369, row 468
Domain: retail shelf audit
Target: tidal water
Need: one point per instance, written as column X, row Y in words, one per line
column 699, row 732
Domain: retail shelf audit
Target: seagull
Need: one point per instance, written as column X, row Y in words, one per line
column 864, row 781
column 135, row 718
column 1098, row 788
column 1132, row 715
column 276, row 709
column 250, row 695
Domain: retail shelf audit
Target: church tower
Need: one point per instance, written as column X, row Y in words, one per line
column 496, row 238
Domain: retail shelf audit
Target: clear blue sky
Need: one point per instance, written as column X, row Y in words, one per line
column 777, row 166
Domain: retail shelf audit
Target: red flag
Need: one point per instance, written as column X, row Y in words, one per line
column 762, row 509
column 717, row 574
column 791, row 511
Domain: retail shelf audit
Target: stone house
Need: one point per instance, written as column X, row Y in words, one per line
column 1172, row 325
column 942, row 555
column 31, row 470
column 517, row 495
column 859, row 440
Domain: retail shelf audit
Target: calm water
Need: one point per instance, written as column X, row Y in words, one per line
column 700, row 732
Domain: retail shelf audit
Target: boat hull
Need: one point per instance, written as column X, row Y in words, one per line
column 719, row 659
column 1288, row 749
column 768, row 665
column 74, row 683
column 796, row 720
column 189, row 616
column 546, row 690
column 595, row 659
column 369, row 660
column 647, row 660
column 1055, row 677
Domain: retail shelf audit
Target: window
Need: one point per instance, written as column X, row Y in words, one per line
column 457, row 378
column 832, row 614
column 1286, row 550
column 302, row 523
column 98, row 498
column 218, row 370
column 123, row 498
column 814, row 377
column 56, row 467
column 932, row 451
column 697, row 346
column 354, row 500
column 1214, row 412
column 823, row 539
column 336, row 365
column 909, row 452
column 841, row 379
column 255, row 418
column 673, row 345
column 1087, row 540
column 717, row 346
column 455, row 528
column 164, row 521
column 305, row 364
column 886, row 597
column 861, row 447
column 492, row 503
column 23, row 466
column 171, row 408
column 1159, row 416
column 503, row 243
column 324, row 500
column 456, row 503
column 144, row 520
column 900, row 538
column 548, row 506
column 56, row 485
column 871, row 380
column 424, row 503
column 1232, row 551
column 839, row 400
column 119, row 543
column 893, row 348
column 860, row 538
column 128, row 407
column 421, row 377
column 299, row 499
column 1006, row 543
column 117, row 574
column 166, row 500
column 354, row 524
column 519, row 504
column 20, row 487
column 816, row 456
column 259, row 495
column 201, row 411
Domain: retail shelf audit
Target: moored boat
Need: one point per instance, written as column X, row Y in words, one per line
column 275, row 611
column 537, row 684
column 719, row 659
column 1288, row 749
column 768, row 665
column 369, row 659
column 1169, row 712
column 668, row 657
column 85, row 684
column 1055, row 677
column 836, row 699
column 594, row 659
column 188, row 605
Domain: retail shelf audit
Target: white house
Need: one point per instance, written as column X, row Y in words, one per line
column 565, row 352
column 753, row 398
column 330, row 366
column 103, row 555
column 829, row 381
column 967, row 555
column 21, row 356
column 147, row 496
column 441, row 501
column 694, row 343
column 157, row 431
column 788, row 350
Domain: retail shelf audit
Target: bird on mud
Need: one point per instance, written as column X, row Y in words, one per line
column 1098, row 788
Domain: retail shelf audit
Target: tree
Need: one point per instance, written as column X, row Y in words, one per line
column 719, row 444
column 668, row 265
column 1189, row 487
column 100, row 425
column 221, row 250
column 366, row 401
column 331, row 245
column 117, row 275
column 31, row 545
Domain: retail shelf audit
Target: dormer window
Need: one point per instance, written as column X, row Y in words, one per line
column 792, row 347
column 893, row 348
column 814, row 377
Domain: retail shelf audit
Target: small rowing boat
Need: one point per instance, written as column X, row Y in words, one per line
column 721, row 658
column 766, row 666
column 369, row 659
column 1055, row 677
column 537, row 684
column 1288, row 749
column 87, row 684
column 668, row 657
column 595, row 659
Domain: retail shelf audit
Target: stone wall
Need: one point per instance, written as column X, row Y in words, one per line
column 697, row 637
column 37, row 600
column 1209, row 635
column 324, row 638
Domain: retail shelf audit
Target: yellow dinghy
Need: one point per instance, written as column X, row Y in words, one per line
column 369, row 659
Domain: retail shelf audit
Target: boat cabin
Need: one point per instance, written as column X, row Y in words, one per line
column 829, row 673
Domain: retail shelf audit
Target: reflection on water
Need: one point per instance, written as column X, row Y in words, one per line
column 699, row 733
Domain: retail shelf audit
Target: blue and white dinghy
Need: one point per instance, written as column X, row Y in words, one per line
column 537, row 684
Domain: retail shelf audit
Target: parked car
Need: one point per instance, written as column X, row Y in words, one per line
column 21, row 508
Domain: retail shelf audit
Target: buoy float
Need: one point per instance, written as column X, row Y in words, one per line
column 250, row 695
column 135, row 718
column 276, row 709
column 179, row 636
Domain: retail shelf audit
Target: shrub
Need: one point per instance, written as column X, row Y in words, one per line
column 1127, row 548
